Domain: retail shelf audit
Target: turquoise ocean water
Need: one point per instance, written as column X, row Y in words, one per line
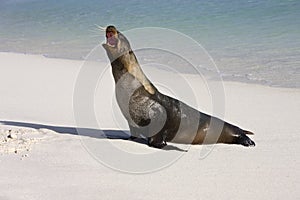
column 252, row 41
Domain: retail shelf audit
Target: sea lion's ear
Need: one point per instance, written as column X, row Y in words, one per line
column 124, row 39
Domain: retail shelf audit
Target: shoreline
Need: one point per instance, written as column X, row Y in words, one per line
column 226, row 77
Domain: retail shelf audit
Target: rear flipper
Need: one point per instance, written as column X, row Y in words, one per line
column 243, row 140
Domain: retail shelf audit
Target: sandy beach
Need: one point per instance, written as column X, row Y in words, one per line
column 43, row 157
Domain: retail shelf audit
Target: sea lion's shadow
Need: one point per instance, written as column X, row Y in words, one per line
column 88, row 132
column 125, row 135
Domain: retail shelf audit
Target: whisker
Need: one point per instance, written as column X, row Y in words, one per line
column 100, row 27
column 94, row 31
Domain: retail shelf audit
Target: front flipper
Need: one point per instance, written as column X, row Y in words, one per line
column 157, row 141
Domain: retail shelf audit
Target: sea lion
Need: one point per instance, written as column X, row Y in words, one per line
column 158, row 117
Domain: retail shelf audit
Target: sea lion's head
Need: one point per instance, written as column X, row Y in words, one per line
column 116, row 43
column 123, row 59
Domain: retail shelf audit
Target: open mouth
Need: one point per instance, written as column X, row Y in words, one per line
column 111, row 40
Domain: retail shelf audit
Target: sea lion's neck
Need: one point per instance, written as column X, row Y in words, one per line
column 128, row 63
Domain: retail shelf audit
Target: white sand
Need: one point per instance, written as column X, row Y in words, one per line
column 42, row 158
